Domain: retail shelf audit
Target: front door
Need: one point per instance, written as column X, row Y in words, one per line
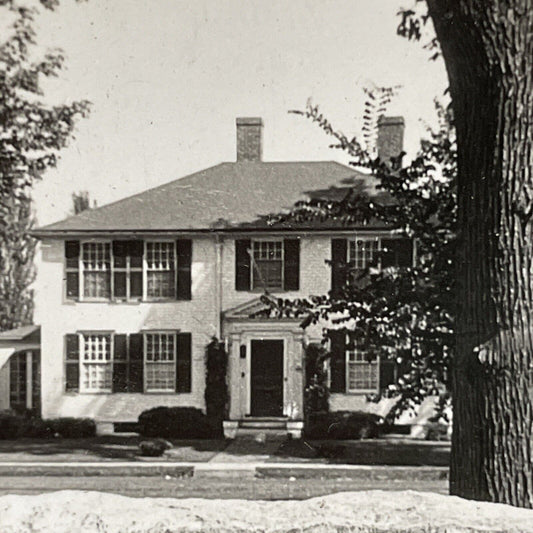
column 267, row 378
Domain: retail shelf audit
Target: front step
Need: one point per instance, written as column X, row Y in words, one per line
column 263, row 423
column 263, row 428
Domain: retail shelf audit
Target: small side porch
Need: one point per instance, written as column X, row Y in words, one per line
column 265, row 373
column 20, row 369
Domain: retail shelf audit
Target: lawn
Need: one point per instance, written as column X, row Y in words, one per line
column 103, row 448
column 397, row 452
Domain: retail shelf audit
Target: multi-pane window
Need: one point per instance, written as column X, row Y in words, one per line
column 363, row 253
column 17, row 381
column 96, row 261
column 96, row 362
column 267, row 271
column 160, row 270
column 362, row 375
column 160, row 362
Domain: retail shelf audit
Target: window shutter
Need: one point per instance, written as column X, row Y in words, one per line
column 72, row 256
column 396, row 253
column 72, row 363
column 339, row 251
column 387, row 373
column 120, row 253
column 291, row 278
column 338, row 361
column 136, row 374
column 120, row 363
column 242, row 264
column 184, row 360
column 136, row 252
column 184, row 253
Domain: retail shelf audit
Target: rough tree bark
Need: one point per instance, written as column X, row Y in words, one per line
column 487, row 46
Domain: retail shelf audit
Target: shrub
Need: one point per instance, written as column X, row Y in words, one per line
column 216, row 388
column 154, row 448
column 25, row 425
column 344, row 425
column 72, row 428
column 177, row 423
column 437, row 431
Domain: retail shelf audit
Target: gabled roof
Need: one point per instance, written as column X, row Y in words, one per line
column 227, row 196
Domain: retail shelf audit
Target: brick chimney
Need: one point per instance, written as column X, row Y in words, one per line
column 249, row 139
column 390, row 137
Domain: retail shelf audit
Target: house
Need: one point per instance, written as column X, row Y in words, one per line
column 134, row 291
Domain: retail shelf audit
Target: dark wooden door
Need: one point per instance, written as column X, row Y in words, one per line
column 267, row 378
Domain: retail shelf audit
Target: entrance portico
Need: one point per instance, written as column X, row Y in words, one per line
column 265, row 369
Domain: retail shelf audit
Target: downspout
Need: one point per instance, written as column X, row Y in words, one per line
column 218, row 284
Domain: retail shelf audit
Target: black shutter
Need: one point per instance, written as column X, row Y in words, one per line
column 136, row 251
column 339, row 251
column 120, row 254
column 387, row 373
column 136, row 374
column 396, row 253
column 72, row 363
column 184, row 253
column 184, row 360
column 72, row 255
column 120, row 363
column 291, row 279
column 338, row 361
column 242, row 264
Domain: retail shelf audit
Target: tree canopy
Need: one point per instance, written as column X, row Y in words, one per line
column 32, row 132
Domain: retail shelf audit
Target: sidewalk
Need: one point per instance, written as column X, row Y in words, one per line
column 382, row 459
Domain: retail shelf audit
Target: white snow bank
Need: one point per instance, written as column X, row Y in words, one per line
column 372, row 511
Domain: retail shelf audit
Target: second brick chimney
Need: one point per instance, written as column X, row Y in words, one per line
column 390, row 137
column 249, row 139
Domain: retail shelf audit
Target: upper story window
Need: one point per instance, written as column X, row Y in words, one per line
column 160, row 270
column 267, row 271
column 96, row 262
column 362, row 375
column 128, row 270
column 363, row 253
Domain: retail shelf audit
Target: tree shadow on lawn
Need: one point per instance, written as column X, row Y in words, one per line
column 104, row 448
column 368, row 452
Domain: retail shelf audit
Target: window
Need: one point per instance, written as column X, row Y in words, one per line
column 96, row 362
column 128, row 270
column 267, row 271
column 362, row 375
column 160, row 350
column 160, row 270
column 364, row 253
column 17, row 381
column 96, row 262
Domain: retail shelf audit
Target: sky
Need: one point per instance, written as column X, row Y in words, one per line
column 167, row 79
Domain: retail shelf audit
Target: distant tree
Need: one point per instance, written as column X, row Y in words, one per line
column 80, row 201
column 32, row 132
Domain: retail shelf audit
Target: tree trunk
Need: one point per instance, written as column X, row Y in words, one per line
column 488, row 50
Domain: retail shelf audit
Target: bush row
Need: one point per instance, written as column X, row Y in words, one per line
column 18, row 426
column 178, row 423
column 344, row 425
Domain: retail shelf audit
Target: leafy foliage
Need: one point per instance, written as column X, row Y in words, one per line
column 316, row 394
column 407, row 313
column 216, row 388
column 31, row 134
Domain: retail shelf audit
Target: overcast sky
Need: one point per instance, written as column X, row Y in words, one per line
column 167, row 79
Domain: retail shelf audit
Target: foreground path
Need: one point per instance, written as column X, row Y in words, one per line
column 362, row 512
